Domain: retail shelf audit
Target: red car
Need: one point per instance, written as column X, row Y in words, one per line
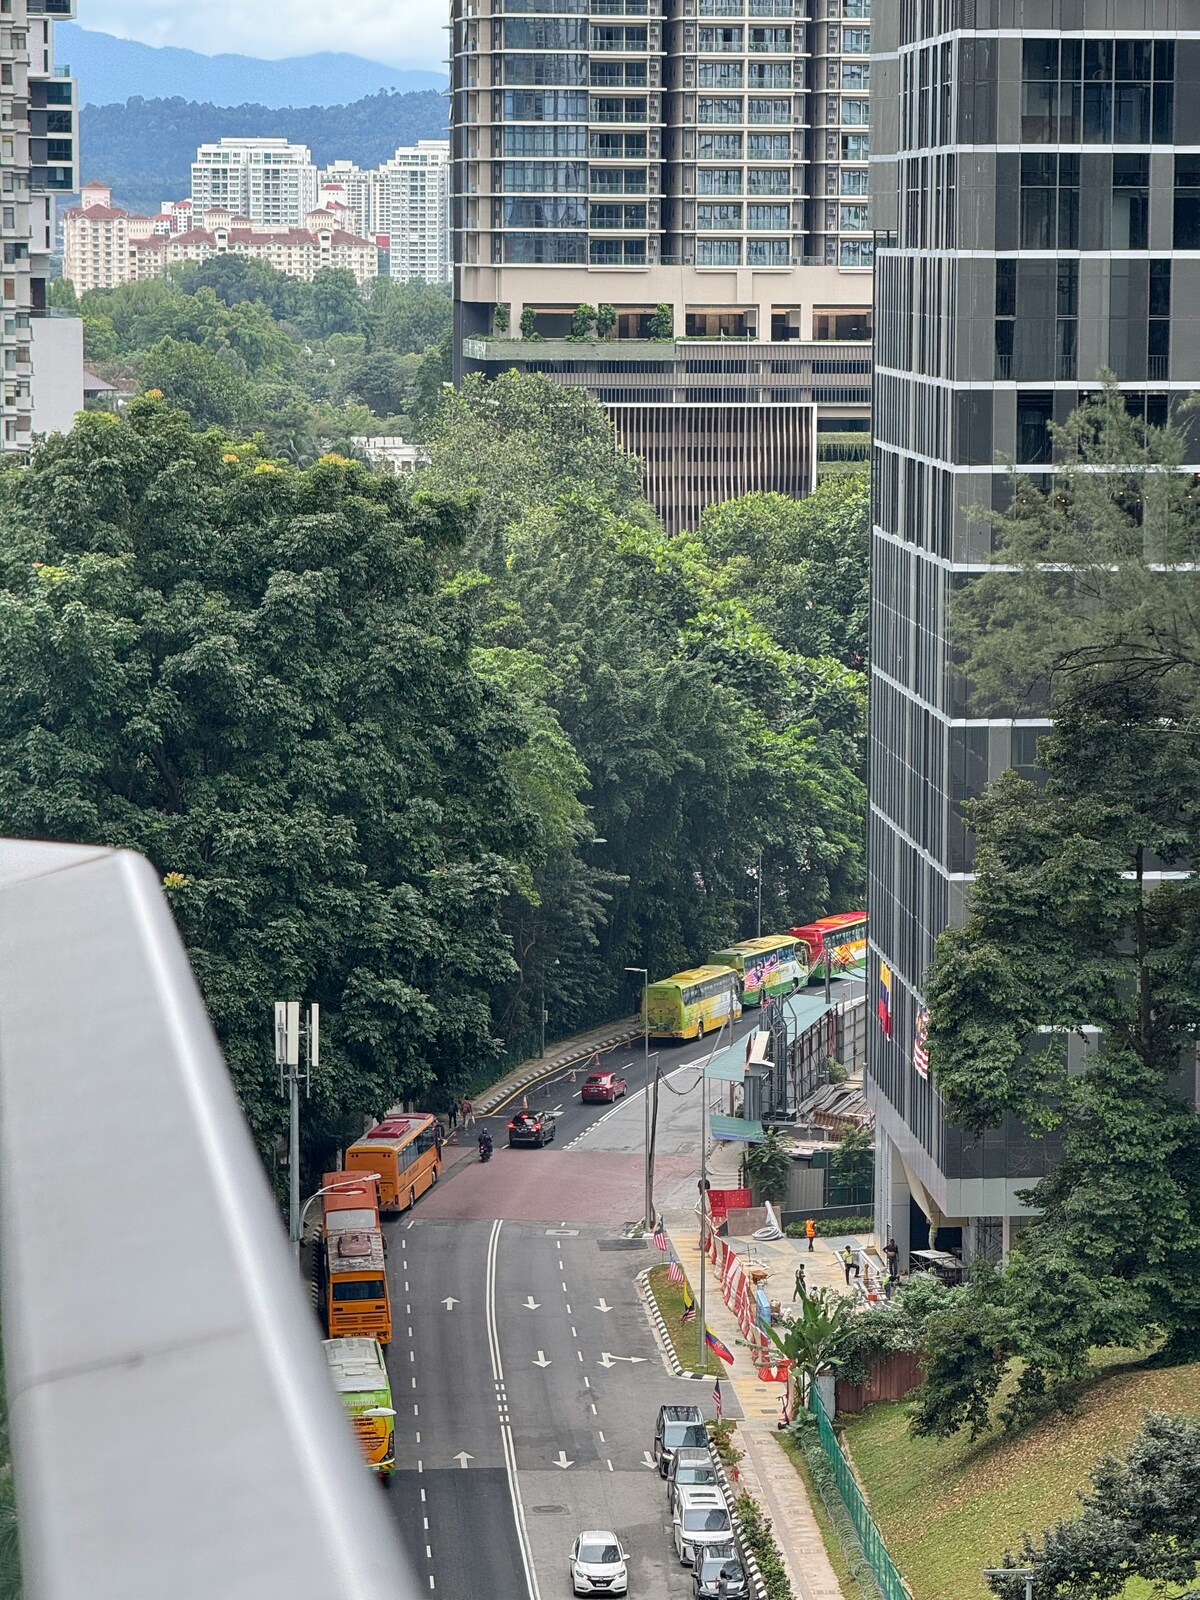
column 603, row 1086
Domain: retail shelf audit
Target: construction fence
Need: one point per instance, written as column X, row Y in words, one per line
column 884, row 1568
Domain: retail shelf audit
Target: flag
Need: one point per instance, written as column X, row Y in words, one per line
column 660, row 1235
column 689, row 1305
column 716, row 1346
column 883, row 1002
column 921, row 1043
column 717, row 1398
column 674, row 1272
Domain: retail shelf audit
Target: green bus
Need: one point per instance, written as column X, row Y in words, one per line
column 690, row 1004
column 765, row 967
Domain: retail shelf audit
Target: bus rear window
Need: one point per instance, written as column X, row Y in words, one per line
column 347, row 1221
column 358, row 1289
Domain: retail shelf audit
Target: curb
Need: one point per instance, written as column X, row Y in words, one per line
column 668, row 1344
column 500, row 1092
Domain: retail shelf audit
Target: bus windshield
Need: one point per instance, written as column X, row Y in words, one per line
column 358, row 1289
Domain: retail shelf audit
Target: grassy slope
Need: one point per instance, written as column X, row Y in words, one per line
column 683, row 1335
column 948, row 1509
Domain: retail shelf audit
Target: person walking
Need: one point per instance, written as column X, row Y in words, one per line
column 810, row 1232
column 892, row 1251
column 850, row 1264
column 800, row 1292
column 468, row 1113
column 452, row 1115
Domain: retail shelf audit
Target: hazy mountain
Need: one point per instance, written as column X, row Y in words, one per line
column 145, row 148
column 111, row 69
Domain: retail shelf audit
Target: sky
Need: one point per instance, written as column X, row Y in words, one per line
column 402, row 33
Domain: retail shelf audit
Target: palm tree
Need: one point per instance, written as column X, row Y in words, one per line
column 768, row 1165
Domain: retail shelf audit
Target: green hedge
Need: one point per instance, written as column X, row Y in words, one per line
column 833, row 1227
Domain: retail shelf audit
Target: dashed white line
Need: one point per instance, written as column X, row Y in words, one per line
column 431, row 1582
column 428, row 1553
column 579, row 1353
column 574, row 1335
column 425, row 1523
column 600, row 1436
column 413, row 1381
column 609, row 1465
column 568, row 1310
column 420, row 1466
column 418, row 1438
column 412, row 1355
column 594, row 1413
column 587, row 1383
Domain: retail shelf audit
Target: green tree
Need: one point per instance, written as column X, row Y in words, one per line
column 384, row 381
column 662, row 321
column 606, row 320
column 201, row 384
column 529, row 323
column 500, row 318
column 99, row 339
column 852, row 1165
column 336, row 303
column 768, row 1165
column 583, row 320
column 814, row 1339
column 406, row 317
column 257, row 677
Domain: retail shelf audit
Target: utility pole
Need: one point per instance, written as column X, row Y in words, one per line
column 758, row 878
column 648, row 1208
column 288, row 1031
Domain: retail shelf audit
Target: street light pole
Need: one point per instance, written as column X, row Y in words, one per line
column 758, row 877
column 648, row 1207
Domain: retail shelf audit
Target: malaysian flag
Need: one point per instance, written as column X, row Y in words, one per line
column 921, row 1043
column 660, row 1235
column 717, row 1398
column 674, row 1272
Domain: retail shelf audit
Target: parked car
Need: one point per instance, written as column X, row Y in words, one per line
column 531, row 1128
column 603, row 1086
column 690, row 1466
column 678, row 1428
column 701, row 1517
column 598, row 1564
column 714, row 1563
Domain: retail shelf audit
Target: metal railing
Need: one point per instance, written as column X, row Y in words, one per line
column 869, row 1537
column 174, row 1429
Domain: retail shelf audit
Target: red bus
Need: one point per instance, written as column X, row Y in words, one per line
column 848, row 957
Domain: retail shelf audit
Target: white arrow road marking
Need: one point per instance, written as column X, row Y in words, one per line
column 561, row 1460
column 648, row 1460
column 604, row 1305
column 462, row 1458
column 449, row 1302
column 607, row 1360
column 531, row 1304
column 557, row 1112
column 541, row 1360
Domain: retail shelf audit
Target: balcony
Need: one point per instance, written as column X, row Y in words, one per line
column 51, row 8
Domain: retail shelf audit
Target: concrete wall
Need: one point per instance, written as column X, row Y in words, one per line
column 56, row 388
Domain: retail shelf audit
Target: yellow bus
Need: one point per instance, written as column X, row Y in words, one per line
column 690, row 1004
column 405, row 1154
column 360, row 1376
column 766, row 966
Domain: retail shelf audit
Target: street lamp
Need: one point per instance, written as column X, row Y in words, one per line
column 648, row 1208
column 1013, row 1572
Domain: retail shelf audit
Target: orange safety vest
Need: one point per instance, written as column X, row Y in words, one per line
column 810, row 1229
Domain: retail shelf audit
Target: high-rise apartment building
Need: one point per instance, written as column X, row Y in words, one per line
column 412, row 208
column 360, row 186
column 268, row 180
column 41, row 354
column 1036, row 200
column 699, row 168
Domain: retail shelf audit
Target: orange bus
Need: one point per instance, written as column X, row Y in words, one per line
column 354, row 1276
column 405, row 1153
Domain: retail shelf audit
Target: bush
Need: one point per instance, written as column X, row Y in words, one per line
column 662, row 322
column 833, row 1227
column 760, row 1543
column 721, row 1436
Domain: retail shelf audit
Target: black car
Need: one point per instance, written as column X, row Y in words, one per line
column 527, row 1127
column 678, row 1428
column 714, row 1564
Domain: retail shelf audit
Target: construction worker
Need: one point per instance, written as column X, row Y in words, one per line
column 810, row 1233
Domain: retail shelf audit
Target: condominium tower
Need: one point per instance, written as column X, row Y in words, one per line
column 698, row 168
column 268, row 180
column 42, row 352
column 1036, row 201
column 412, row 207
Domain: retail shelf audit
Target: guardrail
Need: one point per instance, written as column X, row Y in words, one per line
column 887, row 1574
column 174, row 1430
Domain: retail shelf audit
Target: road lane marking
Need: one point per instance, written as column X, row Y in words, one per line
column 568, row 1310
column 600, row 1436
column 506, row 1438
column 609, row 1465
column 574, row 1335
column 587, row 1382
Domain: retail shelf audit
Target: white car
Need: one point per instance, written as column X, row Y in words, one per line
column 700, row 1517
column 598, row 1564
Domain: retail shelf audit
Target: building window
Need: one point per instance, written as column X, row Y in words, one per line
column 1130, row 203
column 722, row 146
column 718, row 252
column 1049, row 202
column 1006, row 313
column 856, row 113
column 1158, row 348
column 715, row 40
column 856, row 253
column 1034, row 414
column 720, row 74
column 856, row 75
column 856, row 146
column 711, row 110
column 852, row 219
column 768, row 219
column 1187, row 202
column 854, row 180
column 719, row 217
column 768, row 252
column 768, row 180
column 719, row 180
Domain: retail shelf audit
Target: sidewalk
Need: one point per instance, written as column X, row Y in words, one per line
column 559, row 1057
column 764, row 1471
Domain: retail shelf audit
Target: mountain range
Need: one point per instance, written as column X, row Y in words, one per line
column 110, row 70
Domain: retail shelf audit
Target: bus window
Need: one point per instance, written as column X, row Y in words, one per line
column 359, row 1289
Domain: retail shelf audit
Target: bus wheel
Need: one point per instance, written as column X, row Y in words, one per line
column 700, row 1030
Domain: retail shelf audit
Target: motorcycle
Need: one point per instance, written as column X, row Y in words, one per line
column 485, row 1148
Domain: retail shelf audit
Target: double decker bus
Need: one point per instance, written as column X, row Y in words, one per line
column 354, row 1292
column 849, row 955
column 404, row 1152
column 765, row 966
column 690, row 1004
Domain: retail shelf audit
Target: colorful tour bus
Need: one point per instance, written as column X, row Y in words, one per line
column 765, row 967
column 354, row 1291
column 690, row 1004
column 405, row 1154
column 360, row 1377
column 849, row 956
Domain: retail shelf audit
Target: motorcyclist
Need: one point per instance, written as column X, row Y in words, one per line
column 485, row 1144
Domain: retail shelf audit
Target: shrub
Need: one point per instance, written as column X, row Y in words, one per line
column 759, row 1541
column 832, row 1227
column 500, row 318
column 721, row 1435
column 662, row 323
